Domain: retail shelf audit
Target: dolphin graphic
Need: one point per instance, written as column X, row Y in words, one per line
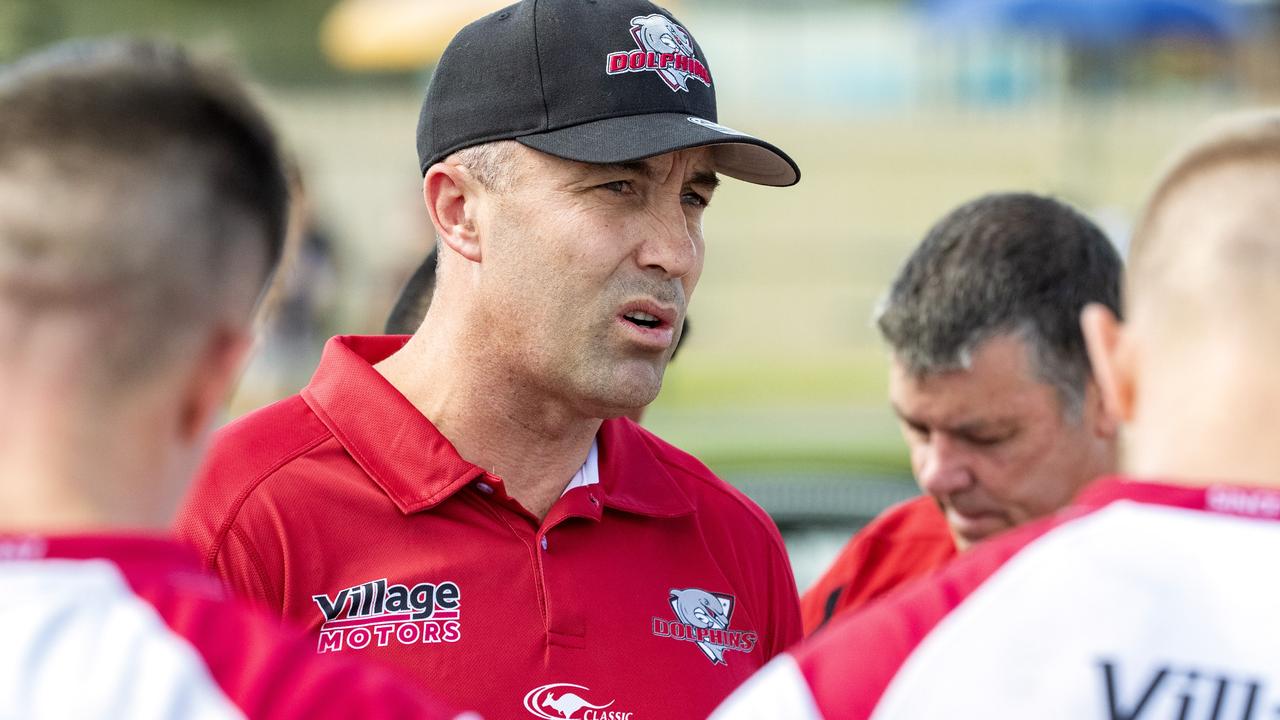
column 701, row 609
column 657, row 34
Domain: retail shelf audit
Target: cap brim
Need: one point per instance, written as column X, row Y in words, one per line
column 635, row 137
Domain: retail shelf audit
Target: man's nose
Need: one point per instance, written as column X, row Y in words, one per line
column 941, row 467
column 670, row 244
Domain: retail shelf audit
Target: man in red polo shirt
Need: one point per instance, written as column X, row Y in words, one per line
column 142, row 210
column 1152, row 596
column 991, row 385
column 466, row 503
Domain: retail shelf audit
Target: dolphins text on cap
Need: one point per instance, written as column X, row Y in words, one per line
column 664, row 48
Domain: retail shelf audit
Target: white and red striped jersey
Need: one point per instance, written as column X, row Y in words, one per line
column 1141, row 601
column 130, row 627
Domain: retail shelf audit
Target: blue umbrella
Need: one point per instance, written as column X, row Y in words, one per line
column 1095, row 22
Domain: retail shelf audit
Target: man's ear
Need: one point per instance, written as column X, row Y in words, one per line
column 453, row 198
column 1111, row 354
column 209, row 385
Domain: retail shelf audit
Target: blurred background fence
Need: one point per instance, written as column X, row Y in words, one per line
column 896, row 112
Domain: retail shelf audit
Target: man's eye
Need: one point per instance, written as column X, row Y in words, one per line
column 617, row 186
column 986, row 440
column 917, row 431
column 693, row 198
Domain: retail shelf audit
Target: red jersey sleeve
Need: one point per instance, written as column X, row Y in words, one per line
column 907, row 541
column 787, row 629
column 848, row 666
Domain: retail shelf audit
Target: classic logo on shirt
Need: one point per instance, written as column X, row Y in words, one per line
column 380, row 614
column 564, row 701
column 665, row 48
column 702, row 618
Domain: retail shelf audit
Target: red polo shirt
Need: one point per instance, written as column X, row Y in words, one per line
column 115, row 626
column 654, row 592
column 907, row 541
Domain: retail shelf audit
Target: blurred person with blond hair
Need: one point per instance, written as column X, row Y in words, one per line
column 142, row 210
column 1153, row 595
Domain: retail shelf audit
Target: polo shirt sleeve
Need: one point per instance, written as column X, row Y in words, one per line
column 216, row 519
column 242, row 568
column 786, row 630
column 848, row 667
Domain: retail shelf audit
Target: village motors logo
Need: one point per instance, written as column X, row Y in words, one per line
column 380, row 614
column 703, row 618
column 664, row 48
column 562, row 701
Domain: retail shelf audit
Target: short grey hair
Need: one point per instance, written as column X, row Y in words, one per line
column 490, row 163
column 1010, row 264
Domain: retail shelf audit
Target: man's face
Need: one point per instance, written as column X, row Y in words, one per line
column 588, row 270
column 991, row 444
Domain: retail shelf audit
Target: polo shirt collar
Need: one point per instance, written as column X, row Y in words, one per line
column 394, row 443
column 632, row 478
column 589, row 473
column 419, row 468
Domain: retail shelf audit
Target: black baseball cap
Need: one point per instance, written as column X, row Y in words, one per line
column 597, row 81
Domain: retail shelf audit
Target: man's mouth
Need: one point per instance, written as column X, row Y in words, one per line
column 643, row 319
column 649, row 324
column 975, row 524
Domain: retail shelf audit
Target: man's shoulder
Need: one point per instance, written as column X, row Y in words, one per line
column 270, row 436
column 193, row 643
column 712, row 496
column 272, row 670
column 1120, row 583
column 898, row 623
column 906, row 541
column 743, row 539
column 243, row 455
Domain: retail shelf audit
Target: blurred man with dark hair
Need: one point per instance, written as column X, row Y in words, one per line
column 415, row 297
column 991, row 384
column 142, row 210
column 1153, row 595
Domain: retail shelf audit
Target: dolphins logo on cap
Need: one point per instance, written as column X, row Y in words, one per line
column 663, row 47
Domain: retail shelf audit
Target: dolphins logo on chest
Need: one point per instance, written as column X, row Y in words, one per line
column 703, row 618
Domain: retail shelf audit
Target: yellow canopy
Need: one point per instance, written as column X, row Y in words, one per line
column 373, row 35
column 396, row 34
